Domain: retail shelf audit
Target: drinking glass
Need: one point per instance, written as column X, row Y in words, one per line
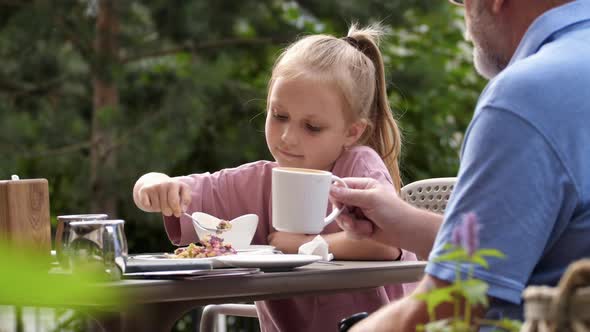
column 63, row 231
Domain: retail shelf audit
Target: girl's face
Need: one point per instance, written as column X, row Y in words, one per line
column 306, row 125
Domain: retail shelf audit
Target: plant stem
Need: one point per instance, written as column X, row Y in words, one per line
column 468, row 305
column 456, row 302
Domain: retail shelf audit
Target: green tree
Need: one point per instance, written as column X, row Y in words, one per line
column 96, row 93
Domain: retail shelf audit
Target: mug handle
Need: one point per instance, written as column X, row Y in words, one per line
column 336, row 211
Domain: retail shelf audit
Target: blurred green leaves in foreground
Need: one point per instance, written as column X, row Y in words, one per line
column 26, row 280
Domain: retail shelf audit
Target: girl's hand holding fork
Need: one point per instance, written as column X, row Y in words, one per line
column 157, row 192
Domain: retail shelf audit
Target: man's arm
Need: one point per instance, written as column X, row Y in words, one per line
column 407, row 313
column 375, row 211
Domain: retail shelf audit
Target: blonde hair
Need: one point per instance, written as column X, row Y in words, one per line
column 354, row 64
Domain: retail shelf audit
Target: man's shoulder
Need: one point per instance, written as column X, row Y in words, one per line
column 541, row 89
column 552, row 78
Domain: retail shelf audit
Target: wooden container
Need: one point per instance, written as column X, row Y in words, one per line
column 24, row 213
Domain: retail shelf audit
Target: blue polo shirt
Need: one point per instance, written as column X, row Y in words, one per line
column 525, row 162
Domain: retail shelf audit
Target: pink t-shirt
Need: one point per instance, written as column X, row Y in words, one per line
column 233, row 192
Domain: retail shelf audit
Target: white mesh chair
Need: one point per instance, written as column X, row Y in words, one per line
column 210, row 316
column 429, row 194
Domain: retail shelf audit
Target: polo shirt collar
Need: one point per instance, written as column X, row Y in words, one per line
column 549, row 23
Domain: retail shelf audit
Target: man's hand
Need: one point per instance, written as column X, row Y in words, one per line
column 371, row 209
column 375, row 211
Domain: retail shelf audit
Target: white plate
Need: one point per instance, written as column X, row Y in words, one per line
column 191, row 273
column 168, row 260
column 267, row 262
column 256, row 247
column 152, row 257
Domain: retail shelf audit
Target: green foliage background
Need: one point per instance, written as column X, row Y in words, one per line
column 191, row 83
column 191, row 78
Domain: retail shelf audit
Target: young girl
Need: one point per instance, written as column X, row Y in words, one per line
column 327, row 109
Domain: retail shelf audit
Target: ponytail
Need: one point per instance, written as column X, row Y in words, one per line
column 382, row 134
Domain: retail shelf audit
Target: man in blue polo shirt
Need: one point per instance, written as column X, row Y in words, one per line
column 525, row 162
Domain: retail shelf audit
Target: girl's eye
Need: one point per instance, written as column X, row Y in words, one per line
column 280, row 117
column 314, row 129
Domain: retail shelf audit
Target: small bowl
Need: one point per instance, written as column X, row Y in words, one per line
column 239, row 236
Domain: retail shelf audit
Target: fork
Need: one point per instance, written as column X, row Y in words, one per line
column 201, row 226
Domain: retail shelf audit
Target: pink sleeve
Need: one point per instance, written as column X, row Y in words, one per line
column 408, row 256
column 226, row 194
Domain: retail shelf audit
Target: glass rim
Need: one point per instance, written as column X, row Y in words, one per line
column 75, row 217
column 98, row 222
column 457, row 2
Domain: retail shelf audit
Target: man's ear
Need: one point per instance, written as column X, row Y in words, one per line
column 497, row 6
column 355, row 131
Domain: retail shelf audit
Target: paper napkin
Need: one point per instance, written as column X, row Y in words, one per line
column 317, row 246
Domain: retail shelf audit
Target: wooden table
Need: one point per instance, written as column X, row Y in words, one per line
column 155, row 305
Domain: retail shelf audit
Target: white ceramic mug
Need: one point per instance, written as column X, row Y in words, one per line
column 300, row 199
